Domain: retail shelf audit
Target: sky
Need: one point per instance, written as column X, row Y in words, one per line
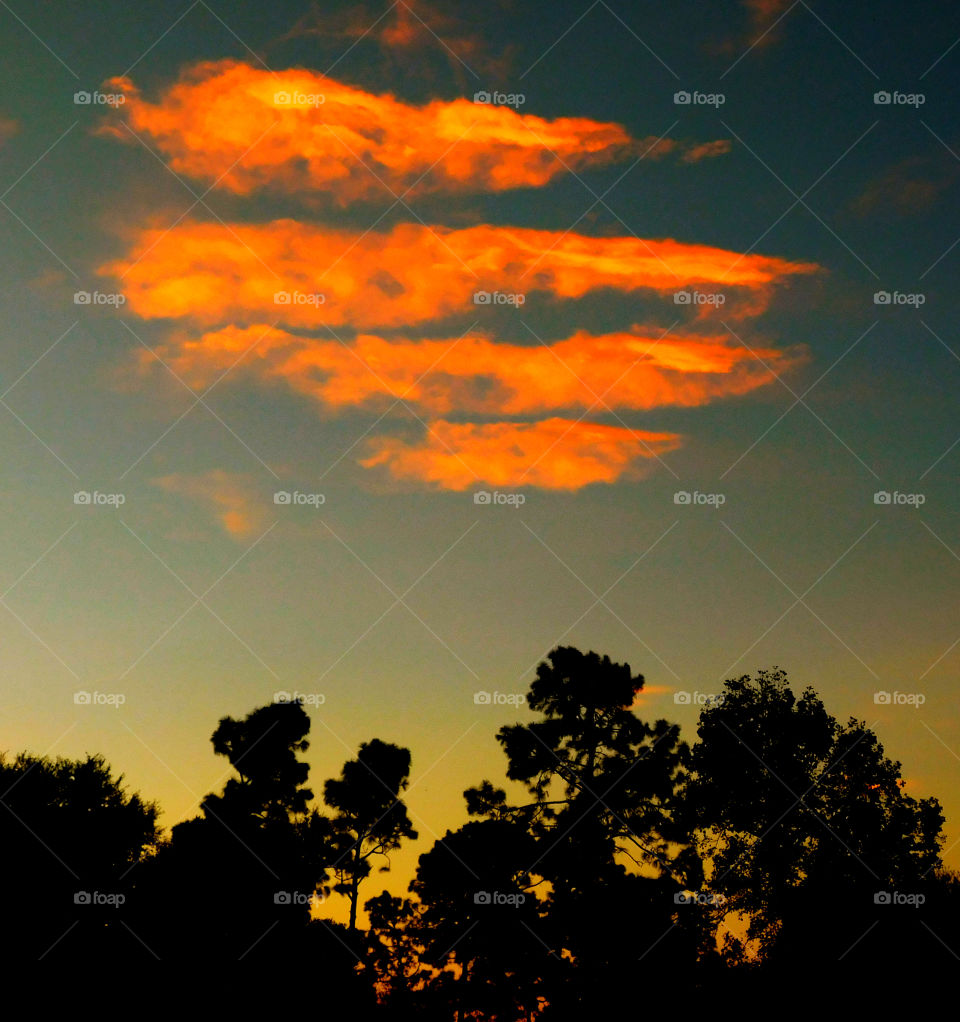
column 368, row 352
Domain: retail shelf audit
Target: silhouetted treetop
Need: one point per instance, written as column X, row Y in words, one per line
column 263, row 749
column 371, row 819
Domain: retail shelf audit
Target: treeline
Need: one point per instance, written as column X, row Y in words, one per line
column 780, row 844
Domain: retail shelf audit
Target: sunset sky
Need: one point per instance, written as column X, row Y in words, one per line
column 675, row 287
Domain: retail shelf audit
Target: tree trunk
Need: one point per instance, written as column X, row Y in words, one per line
column 355, row 887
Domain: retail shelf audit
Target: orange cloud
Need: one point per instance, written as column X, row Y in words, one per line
column 8, row 128
column 297, row 131
column 215, row 273
column 231, row 497
column 414, row 30
column 555, row 454
column 706, row 150
column 764, row 17
column 763, row 27
column 477, row 375
column 909, row 187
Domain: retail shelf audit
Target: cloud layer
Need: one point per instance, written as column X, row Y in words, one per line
column 363, row 319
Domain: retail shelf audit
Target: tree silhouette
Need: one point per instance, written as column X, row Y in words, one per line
column 604, row 786
column 72, row 839
column 481, row 919
column 616, row 774
column 783, row 845
column 246, row 871
column 394, row 954
column 263, row 749
column 802, row 820
column 371, row 819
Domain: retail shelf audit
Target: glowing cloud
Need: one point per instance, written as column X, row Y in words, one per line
column 298, row 131
column 310, row 276
column 477, row 375
column 555, row 454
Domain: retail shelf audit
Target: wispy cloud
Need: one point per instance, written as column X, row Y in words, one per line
column 231, row 499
